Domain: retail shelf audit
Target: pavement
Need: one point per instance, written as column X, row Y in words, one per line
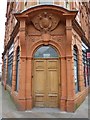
column 9, row 110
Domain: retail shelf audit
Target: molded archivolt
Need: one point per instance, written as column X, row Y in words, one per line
column 52, row 43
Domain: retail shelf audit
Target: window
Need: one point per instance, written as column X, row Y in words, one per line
column 17, row 6
column 45, row 1
column 86, row 65
column 25, row 4
column 46, row 52
column 4, row 70
column 88, row 72
column 17, row 68
column 75, row 53
column 67, row 4
column 10, row 64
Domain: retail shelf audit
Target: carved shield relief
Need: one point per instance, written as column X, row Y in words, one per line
column 45, row 21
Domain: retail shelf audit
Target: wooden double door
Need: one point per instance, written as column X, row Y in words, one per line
column 46, row 83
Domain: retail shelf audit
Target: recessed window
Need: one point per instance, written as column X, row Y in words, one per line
column 4, row 70
column 75, row 53
column 17, row 6
column 86, row 65
column 17, row 68
column 67, row 4
column 46, row 52
column 25, row 3
column 10, row 64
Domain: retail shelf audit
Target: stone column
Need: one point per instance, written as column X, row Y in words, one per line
column 22, row 67
column 69, row 72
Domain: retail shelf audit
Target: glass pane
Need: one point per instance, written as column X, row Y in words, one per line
column 46, row 52
column 9, row 81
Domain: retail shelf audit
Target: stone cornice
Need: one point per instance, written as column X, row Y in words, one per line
column 63, row 11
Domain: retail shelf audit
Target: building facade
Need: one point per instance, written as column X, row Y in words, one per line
column 45, row 61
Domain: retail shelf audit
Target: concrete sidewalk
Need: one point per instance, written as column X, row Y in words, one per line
column 9, row 110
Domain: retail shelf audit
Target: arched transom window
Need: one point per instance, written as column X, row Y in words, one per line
column 46, row 52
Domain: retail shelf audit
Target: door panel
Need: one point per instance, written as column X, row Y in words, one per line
column 39, row 83
column 52, row 78
column 46, row 80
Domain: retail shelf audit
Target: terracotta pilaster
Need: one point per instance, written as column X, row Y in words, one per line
column 63, row 84
column 29, row 83
column 69, row 74
column 22, row 74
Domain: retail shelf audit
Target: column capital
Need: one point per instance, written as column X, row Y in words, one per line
column 68, row 23
column 22, row 22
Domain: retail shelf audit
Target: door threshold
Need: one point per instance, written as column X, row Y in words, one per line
column 46, row 110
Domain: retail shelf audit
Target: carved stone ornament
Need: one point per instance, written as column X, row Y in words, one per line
column 45, row 21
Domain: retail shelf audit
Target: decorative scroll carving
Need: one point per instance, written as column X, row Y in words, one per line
column 33, row 38
column 45, row 22
column 45, row 38
column 57, row 38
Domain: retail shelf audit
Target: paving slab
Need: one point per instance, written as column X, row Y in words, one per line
column 9, row 109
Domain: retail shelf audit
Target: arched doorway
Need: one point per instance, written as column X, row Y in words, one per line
column 46, row 77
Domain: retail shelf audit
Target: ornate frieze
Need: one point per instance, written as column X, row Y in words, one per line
column 34, row 38
column 57, row 38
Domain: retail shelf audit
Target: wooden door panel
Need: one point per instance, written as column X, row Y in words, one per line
column 52, row 81
column 39, row 83
column 52, row 64
column 52, row 101
column 52, row 86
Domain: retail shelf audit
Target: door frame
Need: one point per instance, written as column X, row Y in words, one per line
column 59, row 76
